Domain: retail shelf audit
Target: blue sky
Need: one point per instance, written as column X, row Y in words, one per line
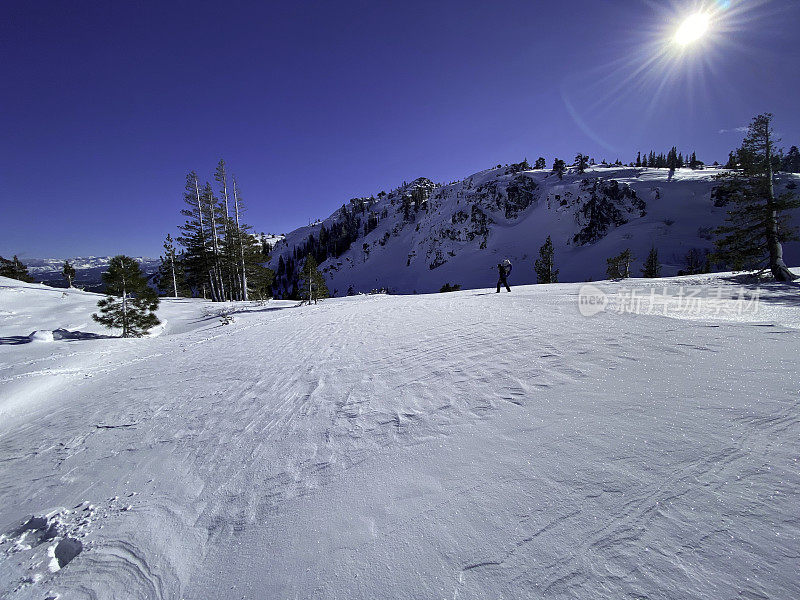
column 105, row 106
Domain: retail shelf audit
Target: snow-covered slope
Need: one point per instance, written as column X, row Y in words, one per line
column 459, row 232
column 463, row 445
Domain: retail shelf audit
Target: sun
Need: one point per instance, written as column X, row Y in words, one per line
column 692, row 29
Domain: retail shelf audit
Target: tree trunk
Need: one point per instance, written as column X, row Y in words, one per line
column 124, row 309
column 174, row 280
column 227, row 233
column 217, row 273
column 241, row 244
column 779, row 269
column 203, row 237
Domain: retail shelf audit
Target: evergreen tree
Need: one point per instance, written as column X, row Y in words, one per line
column 619, row 267
column 540, row 163
column 672, row 162
column 68, row 271
column 697, row 261
column 171, row 277
column 168, row 263
column 218, row 257
column 638, row 159
column 130, row 304
column 312, row 282
column 258, row 277
column 218, row 221
column 756, row 224
column 545, row 265
column 559, row 166
column 231, row 267
column 672, row 159
column 242, row 238
column 196, row 239
column 581, row 162
column 791, row 162
column 652, row 268
column 693, row 162
column 14, row 269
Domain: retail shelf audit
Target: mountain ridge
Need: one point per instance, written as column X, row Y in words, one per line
column 422, row 235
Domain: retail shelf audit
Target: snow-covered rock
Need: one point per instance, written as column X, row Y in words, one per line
column 41, row 336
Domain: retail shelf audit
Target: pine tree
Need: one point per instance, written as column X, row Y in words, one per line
column 312, row 282
column 130, row 304
column 241, row 234
column 619, row 267
column 218, row 223
column 229, row 238
column 672, row 162
column 791, row 162
column 68, row 271
column 540, row 163
column 171, row 276
column 652, row 268
column 14, row 269
column 581, row 162
column 545, row 265
column 638, row 159
column 756, row 224
column 693, row 162
column 697, row 261
column 168, row 260
column 672, row 159
column 196, row 239
column 559, row 166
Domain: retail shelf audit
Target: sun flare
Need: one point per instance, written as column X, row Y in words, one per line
column 692, row 29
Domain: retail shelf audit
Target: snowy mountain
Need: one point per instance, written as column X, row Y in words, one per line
column 87, row 270
column 461, row 445
column 422, row 235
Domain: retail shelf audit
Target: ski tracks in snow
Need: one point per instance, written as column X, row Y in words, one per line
column 221, row 430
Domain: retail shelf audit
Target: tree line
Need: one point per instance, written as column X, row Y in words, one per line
column 220, row 257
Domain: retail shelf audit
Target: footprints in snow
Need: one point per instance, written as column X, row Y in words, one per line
column 44, row 544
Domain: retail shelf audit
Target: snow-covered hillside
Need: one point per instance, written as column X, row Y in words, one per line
column 426, row 235
column 462, row 445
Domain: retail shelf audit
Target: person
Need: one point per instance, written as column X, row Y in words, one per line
column 504, row 269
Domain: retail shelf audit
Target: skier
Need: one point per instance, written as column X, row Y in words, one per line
column 504, row 269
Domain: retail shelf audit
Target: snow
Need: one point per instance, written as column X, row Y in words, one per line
column 443, row 244
column 459, row 445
